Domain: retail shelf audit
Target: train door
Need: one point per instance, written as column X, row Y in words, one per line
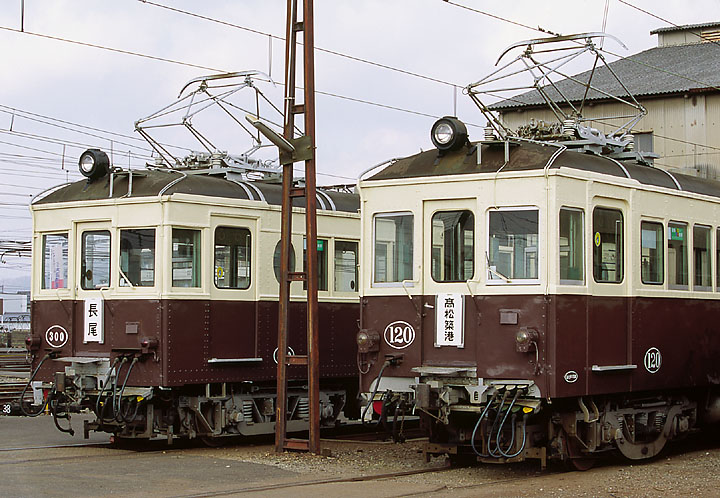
column 94, row 262
column 609, row 351
column 233, row 313
column 449, row 243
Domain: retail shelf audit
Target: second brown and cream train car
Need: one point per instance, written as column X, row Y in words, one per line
column 155, row 302
column 539, row 302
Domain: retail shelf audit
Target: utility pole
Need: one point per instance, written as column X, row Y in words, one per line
column 299, row 149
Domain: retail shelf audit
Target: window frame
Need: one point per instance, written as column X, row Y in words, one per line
column 199, row 258
column 540, row 241
column 83, row 270
column 663, row 260
column 686, row 225
column 703, row 288
column 325, row 252
column 155, row 258
column 565, row 281
column 233, row 257
column 396, row 283
column 472, row 248
column 43, row 243
column 595, row 245
column 357, row 266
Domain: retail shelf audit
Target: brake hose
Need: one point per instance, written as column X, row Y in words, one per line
column 117, row 405
column 22, row 395
column 502, row 424
column 55, row 404
column 492, row 429
column 377, row 386
column 102, row 390
column 477, row 425
column 524, row 439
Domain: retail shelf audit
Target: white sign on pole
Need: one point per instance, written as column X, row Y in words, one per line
column 94, row 330
column 449, row 320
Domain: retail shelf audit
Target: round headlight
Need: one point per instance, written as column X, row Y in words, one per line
column 94, row 164
column 522, row 336
column 448, row 133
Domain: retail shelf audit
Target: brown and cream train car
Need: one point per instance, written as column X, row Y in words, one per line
column 155, row 302
column 539, row 302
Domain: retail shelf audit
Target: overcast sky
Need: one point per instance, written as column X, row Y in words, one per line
column 49, row 87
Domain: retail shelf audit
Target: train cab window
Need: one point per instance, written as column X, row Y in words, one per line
column 137, row 257
column 453, row 246
column 513, row 245
column 185, row 257
column 608, row 245
column 393, row 245
column 322, row 263
column 232, row 258
column 572, row 246
column 95, row 260
column 346, row 266
column 652, row 248
column 677, row 256
column 55, row 261
column 701, row 258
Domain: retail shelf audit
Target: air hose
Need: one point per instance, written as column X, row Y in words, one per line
column 377, row 386
column 117, row 404
column 98, row 412
column 477, row 425
column 22, row 395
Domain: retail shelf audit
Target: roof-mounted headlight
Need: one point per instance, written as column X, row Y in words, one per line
column 94, row 164
column 448, row 133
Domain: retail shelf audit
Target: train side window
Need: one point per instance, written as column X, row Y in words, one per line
column 453, row 246
column 652, row 249
column 608, row 245
column 572, row 246
column 185, row 257
column 232, row 258
column 137, row 257
column 346, row 266
column 95, row 260
column 677, row 256
column 55, row 261
column 322, row 263
column 701, row 258
column 393, row 246
column 513, row 245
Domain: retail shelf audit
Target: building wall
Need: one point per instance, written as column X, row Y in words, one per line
column 686, row 129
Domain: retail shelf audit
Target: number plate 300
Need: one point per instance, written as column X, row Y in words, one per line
column 399, row 335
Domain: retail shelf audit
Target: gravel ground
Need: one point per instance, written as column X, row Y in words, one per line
column 690, row 468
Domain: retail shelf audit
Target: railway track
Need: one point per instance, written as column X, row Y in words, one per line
column 14, row 374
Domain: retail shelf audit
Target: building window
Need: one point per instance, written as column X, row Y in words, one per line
column 677, row 256
column 95, row 266
column 55, row 261
column 232, row 258
column 185, row 257
column 322, row 263
column 572, row 246
column 453, row 246
column 346, row 266
column 652, row 249
column 513, row 245
column 607, row 245
column 137, row 257
column 393, row 258
column 701, row 258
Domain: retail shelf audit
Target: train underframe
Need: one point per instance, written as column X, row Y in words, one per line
column 211, row 411
column 507, row 421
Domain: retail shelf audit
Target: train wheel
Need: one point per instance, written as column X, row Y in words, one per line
column 581, row 464
column 213, row 442
column 574, row 460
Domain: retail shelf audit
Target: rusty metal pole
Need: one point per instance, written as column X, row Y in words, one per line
column 311, row 232
column 285, row 234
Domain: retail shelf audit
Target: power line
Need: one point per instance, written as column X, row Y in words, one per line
column 666, row 21
column 317, row 49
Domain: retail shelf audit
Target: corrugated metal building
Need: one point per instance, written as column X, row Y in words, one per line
column 678, row 82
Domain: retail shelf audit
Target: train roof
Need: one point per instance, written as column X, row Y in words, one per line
column 155, row 182
column 529, row 156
